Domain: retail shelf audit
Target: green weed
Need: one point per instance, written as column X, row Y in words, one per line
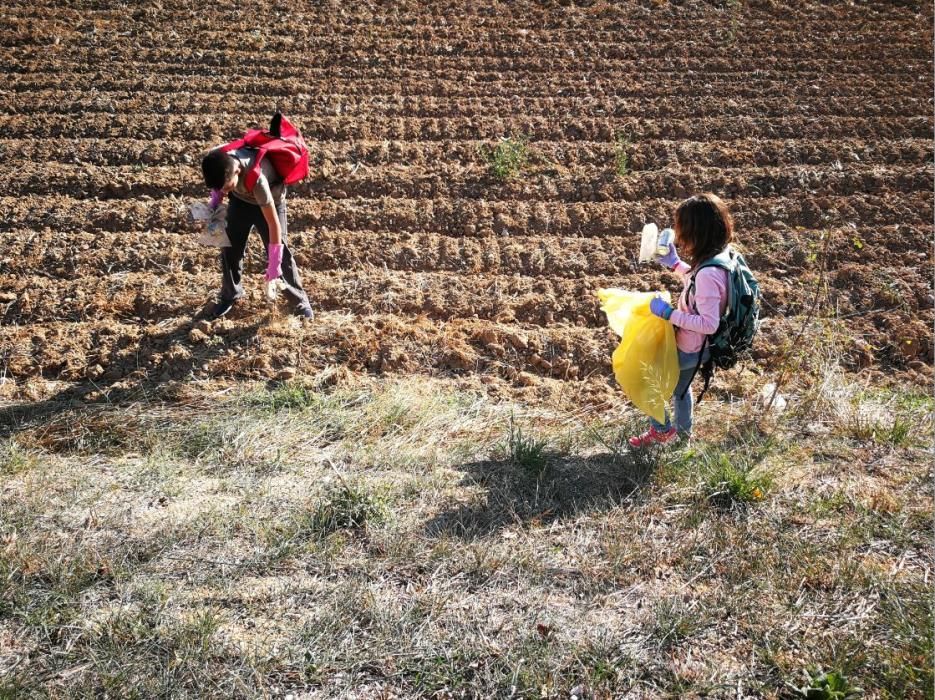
column 525, row 452
column 204, row 440
column 346, row 507
column 731, row 481
column 823, row 685
column 508, row 157
column 672, row 623
column 288, row 396
column 734, row 9
column 904, row 663
column 349, row 506
column 15, row 460
column 863, row 427
column 622, row 148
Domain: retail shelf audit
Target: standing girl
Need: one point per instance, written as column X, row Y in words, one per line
column 703, row 230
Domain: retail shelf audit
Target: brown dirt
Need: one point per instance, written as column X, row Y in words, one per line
column 811, row 118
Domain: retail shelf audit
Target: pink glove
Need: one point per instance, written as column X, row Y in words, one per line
column 273, row 261
column 216, row 198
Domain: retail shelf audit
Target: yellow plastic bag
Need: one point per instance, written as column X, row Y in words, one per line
column 646, row 362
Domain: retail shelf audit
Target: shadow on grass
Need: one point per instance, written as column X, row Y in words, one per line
column 565, row 486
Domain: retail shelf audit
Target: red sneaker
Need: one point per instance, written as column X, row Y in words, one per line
column 653, row 437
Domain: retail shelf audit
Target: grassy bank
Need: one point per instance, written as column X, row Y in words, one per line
column 388, row 538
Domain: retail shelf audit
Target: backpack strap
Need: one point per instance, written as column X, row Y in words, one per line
column 726, row 260
column 234, row 145
column 253, row 174
column 707, row 372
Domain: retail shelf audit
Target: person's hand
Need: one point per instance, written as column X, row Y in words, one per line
column 661, row 308
column 273, row 261
column 671, row 258
column 216, row 198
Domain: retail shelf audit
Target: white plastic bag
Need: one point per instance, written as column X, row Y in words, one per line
column 654, row 243
column 648, row 242
column 212, row 224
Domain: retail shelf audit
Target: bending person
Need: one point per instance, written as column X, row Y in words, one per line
column 263, row 208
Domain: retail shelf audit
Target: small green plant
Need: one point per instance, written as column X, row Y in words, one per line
column 346, row 507
column 864, row 426
column 526, row 452
column 672, row 623
column 622, row 155
column 826, row 686
column 730, row 483
column 734, row 9
column 508, row 157
column 288, row 396
column 14, row 459
column 204, row 440
column 899, row 432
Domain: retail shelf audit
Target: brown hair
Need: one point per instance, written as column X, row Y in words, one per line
column 703, row 227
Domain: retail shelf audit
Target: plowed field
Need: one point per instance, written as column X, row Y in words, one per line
column 811, row 119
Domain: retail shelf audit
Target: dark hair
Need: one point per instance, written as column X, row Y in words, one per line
column 703, row 227
column 217, row 168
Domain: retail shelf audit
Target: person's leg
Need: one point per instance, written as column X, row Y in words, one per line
column 661, row 433
column 290, row 271
column 662, row 427
column 658, row 433
column 239, row 221
column 684, row 401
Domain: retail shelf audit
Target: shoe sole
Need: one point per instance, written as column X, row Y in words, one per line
column 216, row 316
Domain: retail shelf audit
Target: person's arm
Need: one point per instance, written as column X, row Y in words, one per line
column 272, row 222
column 682, row 269
column 274, row 249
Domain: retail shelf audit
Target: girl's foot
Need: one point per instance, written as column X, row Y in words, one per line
column 653, row 437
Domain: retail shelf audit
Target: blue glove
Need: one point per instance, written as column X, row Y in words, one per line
column 659, row 307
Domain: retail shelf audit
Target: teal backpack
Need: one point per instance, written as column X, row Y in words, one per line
column 733, row 339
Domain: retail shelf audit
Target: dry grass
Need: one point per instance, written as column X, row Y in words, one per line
column 405, row 538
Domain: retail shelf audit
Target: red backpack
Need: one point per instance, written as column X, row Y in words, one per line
column 284, row 146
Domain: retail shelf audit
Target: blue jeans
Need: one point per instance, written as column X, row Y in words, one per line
column 683, row 405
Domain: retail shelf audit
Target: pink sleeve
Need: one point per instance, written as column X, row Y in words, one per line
column 681, row 268
column 710, row 300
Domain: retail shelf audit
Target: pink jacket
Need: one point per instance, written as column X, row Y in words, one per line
column 710, row 301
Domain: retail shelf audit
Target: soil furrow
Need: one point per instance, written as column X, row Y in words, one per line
column 471, row 218
column 822, row 87
column 698, row 107
column 334, row 159
column 103, row 255
column 760, row 43
column 362, row 65
column 435, row 130
column 541, row 183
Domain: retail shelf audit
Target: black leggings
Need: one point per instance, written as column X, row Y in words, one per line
column 241, row 217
